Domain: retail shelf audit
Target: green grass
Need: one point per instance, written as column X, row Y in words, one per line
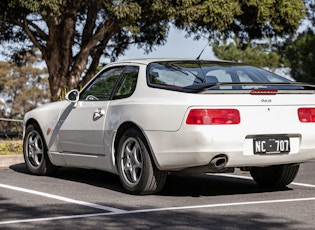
column 11, row 147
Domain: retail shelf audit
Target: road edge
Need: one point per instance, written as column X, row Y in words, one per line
column 7, row 160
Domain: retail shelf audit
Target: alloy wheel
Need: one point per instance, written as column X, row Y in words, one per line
column 132, row 161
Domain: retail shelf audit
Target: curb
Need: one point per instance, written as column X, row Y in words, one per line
column 7, row 160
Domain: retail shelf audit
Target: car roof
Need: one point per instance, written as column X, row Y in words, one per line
column 146, row 61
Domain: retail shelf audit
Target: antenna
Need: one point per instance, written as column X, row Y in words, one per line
column 203, row 50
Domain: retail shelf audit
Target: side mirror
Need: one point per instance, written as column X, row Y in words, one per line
column 73, row 96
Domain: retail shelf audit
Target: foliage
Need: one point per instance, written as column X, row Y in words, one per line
column 22, row 88
column 73, row 35
column 310, row 5
column 252, row 55
column 296, row 52
column 300, row 54
column 11, row 147
column 299, row 51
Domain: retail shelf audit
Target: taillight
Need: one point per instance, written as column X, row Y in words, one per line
column 213, row 117
column 306, row 114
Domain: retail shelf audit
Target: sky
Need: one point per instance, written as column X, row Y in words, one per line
column 177, row 46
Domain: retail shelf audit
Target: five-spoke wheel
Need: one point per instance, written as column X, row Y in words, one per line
column 35, row 152
column 137, row 171
column 34, row 148
column 131, row 161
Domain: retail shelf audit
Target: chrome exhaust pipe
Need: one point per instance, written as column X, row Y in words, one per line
column 218, row 162
column 216, row 165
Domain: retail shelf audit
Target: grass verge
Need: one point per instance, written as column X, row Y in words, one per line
column 8, row 147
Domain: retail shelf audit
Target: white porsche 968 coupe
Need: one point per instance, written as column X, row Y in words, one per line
column 142, row 119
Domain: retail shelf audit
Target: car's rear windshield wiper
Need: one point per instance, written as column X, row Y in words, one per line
column 196, row 88
column 184, row 71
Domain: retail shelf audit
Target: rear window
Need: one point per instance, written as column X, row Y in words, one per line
column 177, row 75
column 169, row 74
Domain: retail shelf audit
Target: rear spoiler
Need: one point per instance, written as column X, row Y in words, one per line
column 252, row 88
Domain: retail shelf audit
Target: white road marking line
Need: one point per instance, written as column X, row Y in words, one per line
column 220, row 205
column 158, row 210
column 304, row 185
column 65, row 199
column 249, row 178
column 231, row 175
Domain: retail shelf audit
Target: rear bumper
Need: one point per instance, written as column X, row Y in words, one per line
column 174, row 151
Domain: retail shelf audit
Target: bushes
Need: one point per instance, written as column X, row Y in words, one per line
column 11, row 147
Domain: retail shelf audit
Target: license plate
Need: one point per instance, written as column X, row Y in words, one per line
column 271, row 145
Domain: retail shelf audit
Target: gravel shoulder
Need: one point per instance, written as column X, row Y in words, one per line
column 7, row 160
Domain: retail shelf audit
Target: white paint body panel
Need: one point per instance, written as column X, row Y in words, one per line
column 77, row 140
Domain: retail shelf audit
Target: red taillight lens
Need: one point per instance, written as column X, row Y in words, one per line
column 306, row 114
column 213, row 117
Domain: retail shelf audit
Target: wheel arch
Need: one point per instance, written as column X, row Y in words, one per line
column 120, row 131
column 34, row 121
column 31, row 121
column 46, row 167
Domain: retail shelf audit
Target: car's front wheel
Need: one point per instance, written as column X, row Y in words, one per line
column 35, row 152
column 276, row 176
column 137, row 171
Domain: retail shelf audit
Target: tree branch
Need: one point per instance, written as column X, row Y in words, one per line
column 104, row 33
column 91, row 17
column 98, row 52
column 40, row 32
column 32, row 36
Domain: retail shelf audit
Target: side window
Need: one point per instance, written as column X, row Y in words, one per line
column 127, row 84
column 101, row 88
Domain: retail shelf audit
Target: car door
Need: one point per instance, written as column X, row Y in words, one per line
column 82, row 131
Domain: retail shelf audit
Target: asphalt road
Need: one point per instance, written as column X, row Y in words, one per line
column 90, row 199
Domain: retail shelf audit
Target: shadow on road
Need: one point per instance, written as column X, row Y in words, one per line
column 176, row 185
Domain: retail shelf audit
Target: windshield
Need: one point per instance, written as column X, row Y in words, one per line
column 176, row 75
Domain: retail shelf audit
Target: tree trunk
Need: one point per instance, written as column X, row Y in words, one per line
column 57, row 45
column 66, row 70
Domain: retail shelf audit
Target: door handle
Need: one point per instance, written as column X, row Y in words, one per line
column 98, row 113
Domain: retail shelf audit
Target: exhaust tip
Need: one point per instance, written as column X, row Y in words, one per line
column 218, row 162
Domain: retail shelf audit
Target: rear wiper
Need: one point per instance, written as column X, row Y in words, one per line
column 184, row 71
column 196, row 88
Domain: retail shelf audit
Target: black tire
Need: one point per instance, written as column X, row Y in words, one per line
column 35, row 152
column 276, row 176
column 137, row 171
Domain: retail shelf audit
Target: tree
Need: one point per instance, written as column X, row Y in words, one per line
column 73, row 35
column 299, row 51
column 300, row 55
column 310, row 6
column 23, row 86
column 255, row 54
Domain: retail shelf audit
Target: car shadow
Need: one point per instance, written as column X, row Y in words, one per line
column 92, row 177
column 212, row 185
column 176, row 185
